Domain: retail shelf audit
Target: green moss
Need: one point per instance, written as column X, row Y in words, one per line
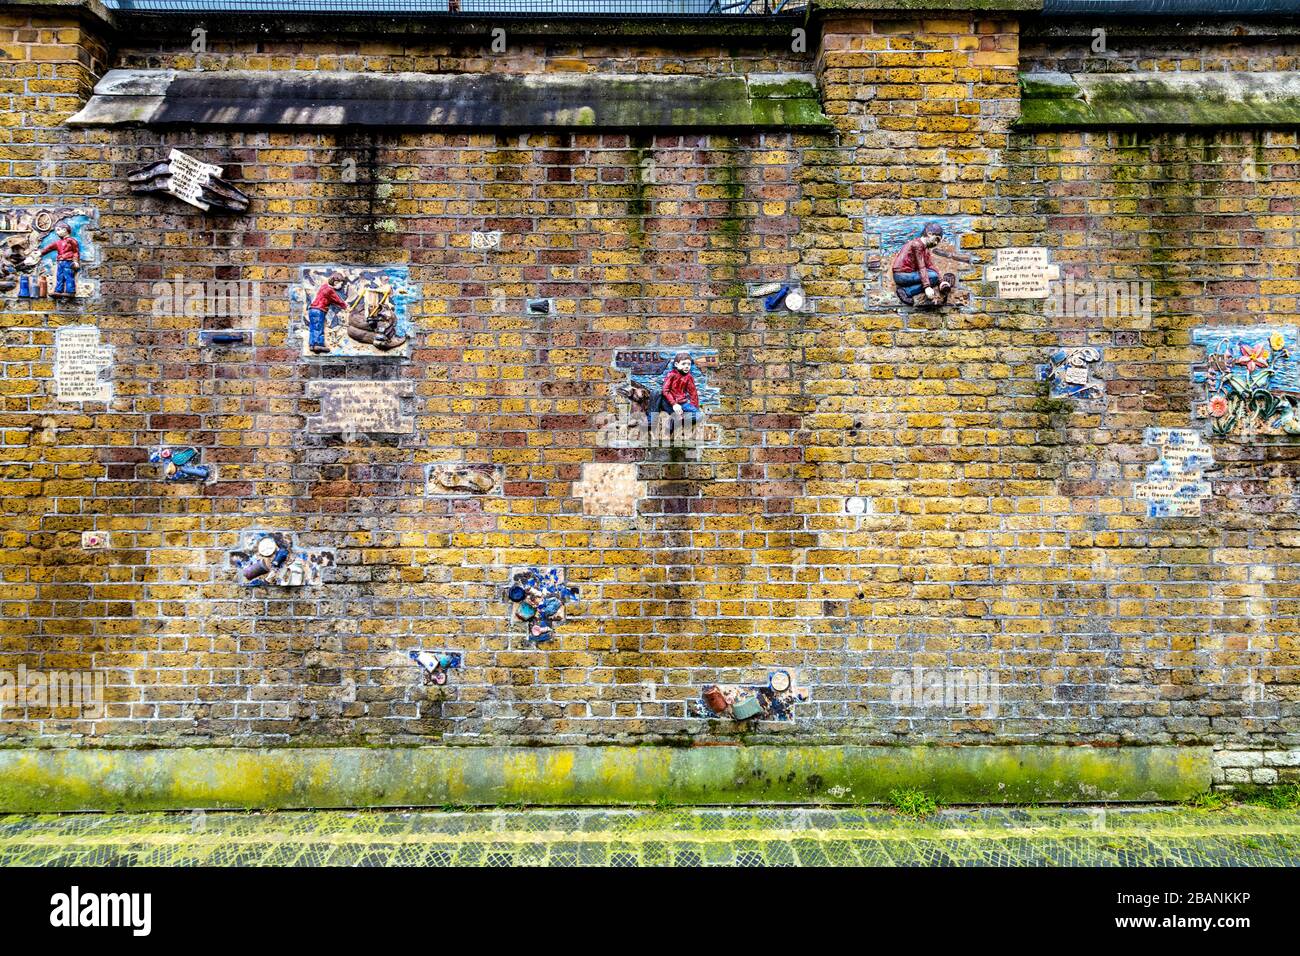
column 692, row 101
column 217, row 778
column 1209, row 800
column 638, row 206
column 792, row 87
column 1054, row 409
column 1048, row 86
column 912, row 802
column 789, row 102
column 1053, row 101
column 733, row 190
column 791, row 113
column 1281, row 797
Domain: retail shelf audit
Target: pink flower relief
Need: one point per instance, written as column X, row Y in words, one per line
column 1253, row 357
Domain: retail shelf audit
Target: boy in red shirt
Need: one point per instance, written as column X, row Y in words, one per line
column 679, row 394
column 67, row 261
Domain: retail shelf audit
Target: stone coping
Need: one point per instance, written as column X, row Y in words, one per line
column 61, row 780
column 311, row 100
column 1174, row 99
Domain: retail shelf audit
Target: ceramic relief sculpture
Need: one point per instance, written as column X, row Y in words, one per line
column 916, row 260
column 353, row 311
column 459, row 479
column 180, row 464
column 787, row 295
column 774, row 700
column 1069, row 374
column 1250, row 382
column 198, row 183
column 540, row 598
column 665, row 398
column 45, row 252
column 271, row 559
column 435, row 665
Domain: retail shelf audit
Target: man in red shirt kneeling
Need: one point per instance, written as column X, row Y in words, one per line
column 914, row 270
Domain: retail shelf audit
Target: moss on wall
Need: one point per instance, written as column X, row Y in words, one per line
column 65, row 780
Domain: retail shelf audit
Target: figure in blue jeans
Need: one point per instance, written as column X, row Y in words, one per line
column 67, row 261
column 327, row 297
column 679, row 395
column 914, row 271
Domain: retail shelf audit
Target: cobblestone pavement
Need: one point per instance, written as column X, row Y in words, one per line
column 1076, row 836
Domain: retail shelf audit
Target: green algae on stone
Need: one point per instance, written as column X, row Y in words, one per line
column 638, row 207
column 1108, row 100
column 221, row 778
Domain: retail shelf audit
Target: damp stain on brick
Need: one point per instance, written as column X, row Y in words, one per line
column 368, row 198
column 638, row 205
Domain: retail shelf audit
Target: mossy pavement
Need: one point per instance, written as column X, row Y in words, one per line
column 1234, row 835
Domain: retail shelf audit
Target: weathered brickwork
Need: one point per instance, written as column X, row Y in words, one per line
column 1158, row 46
column 999, row 531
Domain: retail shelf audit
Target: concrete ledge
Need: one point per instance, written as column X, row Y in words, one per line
column 33, row 781
column 313, row 100
column 1119, row 100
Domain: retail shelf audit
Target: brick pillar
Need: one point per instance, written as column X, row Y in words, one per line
column 929, row 95
column 53, row 54
column 911, row 415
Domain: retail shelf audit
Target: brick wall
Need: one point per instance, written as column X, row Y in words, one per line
column 1001, row 534
column 1158, row 46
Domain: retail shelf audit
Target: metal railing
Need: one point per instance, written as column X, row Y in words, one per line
column 580, row 8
